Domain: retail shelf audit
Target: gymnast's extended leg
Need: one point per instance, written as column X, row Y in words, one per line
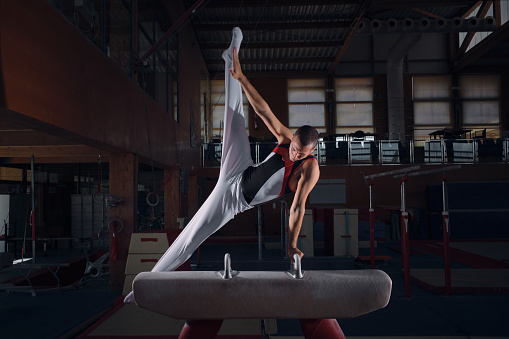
column 236, row 153
column 226, row 200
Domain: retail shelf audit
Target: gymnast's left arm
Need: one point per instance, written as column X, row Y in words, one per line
column 305, row 184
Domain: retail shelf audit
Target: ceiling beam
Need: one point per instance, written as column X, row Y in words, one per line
column 169, row 10
column 431, row 15
column 180, row 22
column 497, row 14
column 409, row 4
column 349, row 35
column 481, row 69
column 81, row 159
column 276, row 3
column 466, row 13
column 57, row 160
column 277, row 45
column 5, row 126
column 496, row 55
column 288, row 74
column 13, row 118
column 61, row 151
column 272, row 26
column 470, row 35
column 272, row 61
column 30, row 138
column 498, row 37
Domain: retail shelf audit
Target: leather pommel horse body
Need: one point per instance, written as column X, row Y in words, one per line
column 262, row 294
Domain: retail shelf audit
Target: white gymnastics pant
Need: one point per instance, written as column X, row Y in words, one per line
column 226, row 200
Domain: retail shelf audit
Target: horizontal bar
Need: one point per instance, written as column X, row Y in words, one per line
column 436, row 170
column 402, row 170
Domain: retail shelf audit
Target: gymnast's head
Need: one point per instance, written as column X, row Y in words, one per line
column 303, row 142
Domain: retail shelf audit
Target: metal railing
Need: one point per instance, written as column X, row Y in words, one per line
column 385, row 152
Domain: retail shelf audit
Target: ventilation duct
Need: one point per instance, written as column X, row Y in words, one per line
column 363, row 27
column 393, row 25
column 473, row 23
column 443, row 25
column 425, row 25
column 489, row 23
column 395, row 97
column 458, row 24
column 375, row 25
column 408, row 25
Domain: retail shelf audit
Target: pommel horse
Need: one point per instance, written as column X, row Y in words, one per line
column 317, row 298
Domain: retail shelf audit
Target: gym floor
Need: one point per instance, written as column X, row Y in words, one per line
column 474, row 313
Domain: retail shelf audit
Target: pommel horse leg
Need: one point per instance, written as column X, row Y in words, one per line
column 200, row 329
column 321, row 329
column 312, row 329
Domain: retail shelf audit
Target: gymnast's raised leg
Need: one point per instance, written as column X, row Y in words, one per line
column 226, row 200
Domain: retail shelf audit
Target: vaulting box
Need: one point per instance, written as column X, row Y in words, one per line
column 148, row 243
column 145, row 250
column 342, row 233
column 137, row 263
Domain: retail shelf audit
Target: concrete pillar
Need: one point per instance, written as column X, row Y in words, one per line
column 124, row 184
column 192, row 195
column 171, row 200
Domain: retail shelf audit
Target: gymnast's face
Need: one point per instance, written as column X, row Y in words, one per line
column 297, row 151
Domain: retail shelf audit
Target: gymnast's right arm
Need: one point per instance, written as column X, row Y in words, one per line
column 260, row 106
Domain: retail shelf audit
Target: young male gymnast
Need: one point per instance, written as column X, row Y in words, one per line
column 291, row 167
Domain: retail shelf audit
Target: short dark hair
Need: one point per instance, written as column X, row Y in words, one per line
column 307, row 135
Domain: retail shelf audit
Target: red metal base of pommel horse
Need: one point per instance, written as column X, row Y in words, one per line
column 312, row 329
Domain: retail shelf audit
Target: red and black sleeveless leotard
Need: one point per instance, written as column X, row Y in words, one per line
column 269, row 180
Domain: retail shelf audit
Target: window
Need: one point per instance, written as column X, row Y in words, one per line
column 432, row 105
column 306, row 103
column 217, row 98
column 173, row 96
column 354, row 105
column 119, row 49
column 204, row 97
column 109, row 25
column 481, row 106
column 172, row 74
